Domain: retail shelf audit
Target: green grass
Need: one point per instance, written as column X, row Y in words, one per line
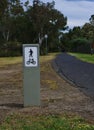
column 84, row 57
column 48, row 57
column 14, row 60
column 9, row 61
column 49, row 122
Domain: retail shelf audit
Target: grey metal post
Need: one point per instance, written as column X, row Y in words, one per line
column 31, row 75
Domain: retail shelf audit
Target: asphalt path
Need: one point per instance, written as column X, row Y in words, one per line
column 76, row 71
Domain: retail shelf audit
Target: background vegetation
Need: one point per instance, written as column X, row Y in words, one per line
column 22, row 23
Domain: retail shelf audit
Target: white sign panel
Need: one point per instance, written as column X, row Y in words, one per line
column 31, row 56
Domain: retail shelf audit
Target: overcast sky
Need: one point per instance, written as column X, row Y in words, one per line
column 78, row 12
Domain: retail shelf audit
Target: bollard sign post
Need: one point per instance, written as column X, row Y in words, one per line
column 31, row 81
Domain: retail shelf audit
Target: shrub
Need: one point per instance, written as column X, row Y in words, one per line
column 81, row 45
column 11, row 49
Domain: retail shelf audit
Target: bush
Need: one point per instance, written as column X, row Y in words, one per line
column 81, row 45
column 11, row 49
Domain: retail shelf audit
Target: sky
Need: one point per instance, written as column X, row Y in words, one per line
column 77, row 12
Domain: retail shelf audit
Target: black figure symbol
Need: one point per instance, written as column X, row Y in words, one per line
column 31, row 59
column 30, row 53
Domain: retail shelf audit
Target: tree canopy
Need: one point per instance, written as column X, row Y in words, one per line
column 27, row 23
column 22, row 23
column 80, row 39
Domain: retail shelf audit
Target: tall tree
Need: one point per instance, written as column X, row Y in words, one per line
column 45, row 19
column 32, row 23
column 3, row 6
column 13, row 10
column 92, row 19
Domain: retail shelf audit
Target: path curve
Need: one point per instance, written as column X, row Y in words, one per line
column 76, row 71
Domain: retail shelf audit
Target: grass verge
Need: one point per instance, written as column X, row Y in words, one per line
column 9, row 61
column 84, row 57
column 4, row 61
column 49, row 122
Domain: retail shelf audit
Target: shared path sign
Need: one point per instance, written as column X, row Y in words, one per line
column 31, row 72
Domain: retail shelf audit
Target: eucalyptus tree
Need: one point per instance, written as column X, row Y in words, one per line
column 92, row 20
column 3, row 5
column 45, row 21
column 12, row 11
column 88, row 31
column 30, row 24
column 9, row 26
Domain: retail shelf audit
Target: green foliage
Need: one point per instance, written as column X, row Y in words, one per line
column 80, row 45
column 92, row 19
column 27, row 26
column 3, row 5
column 88, row 31
column 80, row 39
column 50, row 122
column 11, row 49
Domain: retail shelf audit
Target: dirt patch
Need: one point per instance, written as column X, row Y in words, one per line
column 57, row 95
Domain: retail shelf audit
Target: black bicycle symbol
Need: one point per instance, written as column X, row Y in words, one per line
column 31, row 61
